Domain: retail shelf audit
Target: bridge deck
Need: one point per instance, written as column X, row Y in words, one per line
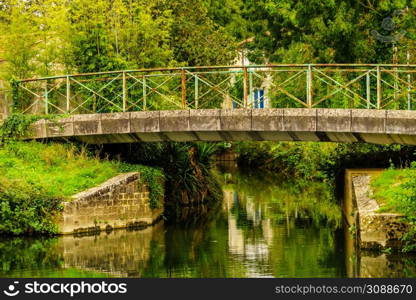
column 336, row 125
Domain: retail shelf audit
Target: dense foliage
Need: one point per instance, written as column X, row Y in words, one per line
column 329, row 31
column 57, row 36
column 320, row 161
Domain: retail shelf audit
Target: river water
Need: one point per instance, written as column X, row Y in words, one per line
column 265, row 226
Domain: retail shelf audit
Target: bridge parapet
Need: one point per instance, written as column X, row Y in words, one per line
column 359, row 86
column 335, row 125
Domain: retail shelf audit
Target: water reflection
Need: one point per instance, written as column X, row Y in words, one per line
column 265, row 227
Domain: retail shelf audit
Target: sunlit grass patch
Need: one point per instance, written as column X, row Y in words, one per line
column 393, row 190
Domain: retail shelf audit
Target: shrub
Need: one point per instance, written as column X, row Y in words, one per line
column 26, row 208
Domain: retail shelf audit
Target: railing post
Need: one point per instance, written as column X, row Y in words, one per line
column 124, row 92
column 68, row 94
column 245, row 86
column 409, row 99
column 309, row 87
column 250, row 88
column 378, row 87
column 395, row 86
column 183, row 82
column 45, row 95
column 196, row 91
column 368, row 83
column 144, row 92
column 94, row 103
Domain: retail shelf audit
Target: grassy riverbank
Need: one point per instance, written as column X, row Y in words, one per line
column 36, row 177
column 395, row 191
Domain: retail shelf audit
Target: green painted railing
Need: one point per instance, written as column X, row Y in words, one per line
column 285, row 85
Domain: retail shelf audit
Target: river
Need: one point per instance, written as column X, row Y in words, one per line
column 266, row 226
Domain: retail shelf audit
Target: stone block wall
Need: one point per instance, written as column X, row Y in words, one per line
column 381, row 230
column 123, row 201
column 375, row 230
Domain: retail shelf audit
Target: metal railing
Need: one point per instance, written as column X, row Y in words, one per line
column 285, row 85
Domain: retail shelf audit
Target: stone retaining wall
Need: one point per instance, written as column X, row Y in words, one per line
column 122, row 201
column 374, row 230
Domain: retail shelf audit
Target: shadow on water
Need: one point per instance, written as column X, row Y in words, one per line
column 266, row 226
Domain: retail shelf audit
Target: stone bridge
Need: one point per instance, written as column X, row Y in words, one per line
column 291, row 124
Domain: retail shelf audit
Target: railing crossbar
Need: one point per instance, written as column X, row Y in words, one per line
column 220, row 86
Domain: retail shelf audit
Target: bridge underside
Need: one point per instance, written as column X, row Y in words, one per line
column 326, row 125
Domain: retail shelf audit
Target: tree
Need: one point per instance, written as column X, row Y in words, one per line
column 196, row 39
column 322, row 31
column 31, row 32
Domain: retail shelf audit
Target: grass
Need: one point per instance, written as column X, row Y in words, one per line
column 61, row 169
column 36, row 177
column 395, row 190
column 392, row 189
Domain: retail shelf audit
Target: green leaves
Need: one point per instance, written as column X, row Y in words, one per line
column 17, row 125
column 26, row 208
